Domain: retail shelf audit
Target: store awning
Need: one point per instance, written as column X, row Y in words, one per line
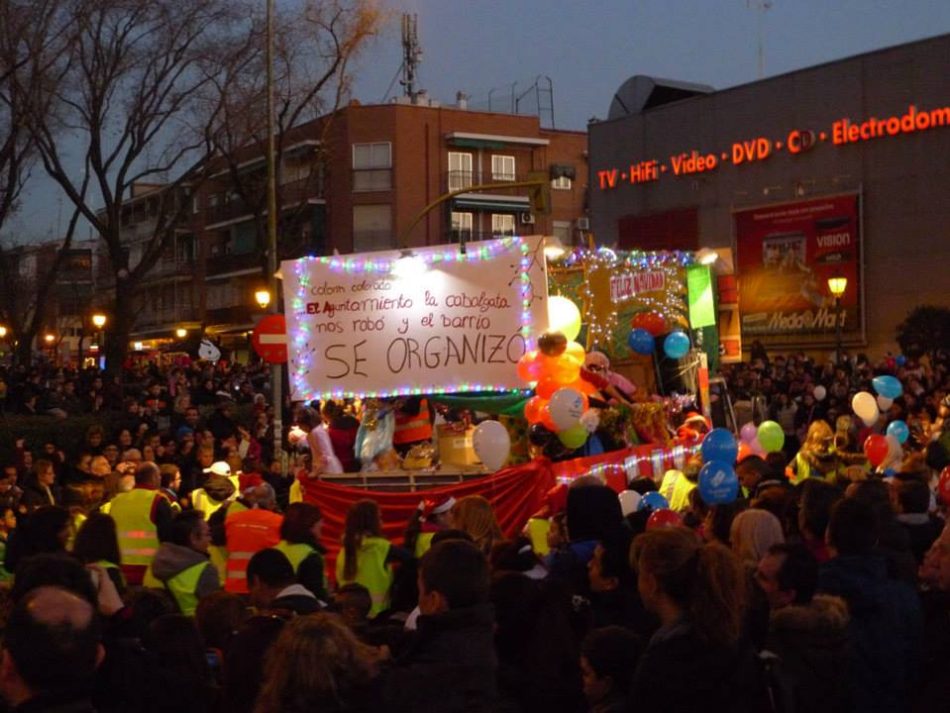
column 484, row 201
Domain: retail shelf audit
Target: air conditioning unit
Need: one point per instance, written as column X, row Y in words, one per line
column 583, row 223
column 527, row 218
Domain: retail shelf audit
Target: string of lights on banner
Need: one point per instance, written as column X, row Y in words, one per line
column 631, row 467
column 671, row 305
column 304, row 337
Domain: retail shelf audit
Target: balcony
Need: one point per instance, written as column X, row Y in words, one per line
column 290, row 195
column 459, row 180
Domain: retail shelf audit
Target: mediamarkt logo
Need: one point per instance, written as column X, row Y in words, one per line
column 807, row 320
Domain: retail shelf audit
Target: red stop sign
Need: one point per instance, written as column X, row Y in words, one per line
column 270, row 339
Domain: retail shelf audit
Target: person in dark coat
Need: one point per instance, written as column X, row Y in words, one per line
column 913, row 505
column 609, row 657
column 272, row 585
column 885, row 627
column 450, row 666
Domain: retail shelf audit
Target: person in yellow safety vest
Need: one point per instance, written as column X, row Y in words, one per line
column 250, row 530
column 816, row 458
column 98, row 543
column 366, row 555
column 300, row 543
column 140, row 515
column 413, row 424
column 431, row 516
column 219, row 489
column 677, row 485
column 181, row 564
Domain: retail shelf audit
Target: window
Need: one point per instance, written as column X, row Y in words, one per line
column 563, row 183
column 503, row 168
column 372, row 166
column 502, row 224
column 460, row 170
column 461, row 226
column 372, row 227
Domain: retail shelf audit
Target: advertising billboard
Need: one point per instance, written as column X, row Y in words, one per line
column 785, row 254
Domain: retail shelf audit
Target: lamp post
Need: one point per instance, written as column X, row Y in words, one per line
column 262, row 297
column 181, row 332
column 837, row 285
column 99, row 322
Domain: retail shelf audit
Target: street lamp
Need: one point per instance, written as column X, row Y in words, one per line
column 837, row 284
column 263, row 298
column 49, row 339
column 3, row 332
column 181, row 332
column 99, row 320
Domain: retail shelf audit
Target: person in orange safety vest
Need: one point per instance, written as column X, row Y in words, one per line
column 248, row 531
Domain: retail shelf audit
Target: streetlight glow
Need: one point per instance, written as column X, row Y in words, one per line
column 3, row 332
column 49, row 338
column 99, row 320
column 263, row 298
column 837, row 285
column 181, row 332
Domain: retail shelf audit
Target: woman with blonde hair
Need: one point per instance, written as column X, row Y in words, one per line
column 473, row 515
column 317, row 665
column 816, row 458
column 699, row 593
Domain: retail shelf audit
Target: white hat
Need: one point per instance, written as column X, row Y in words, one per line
column 219, row 468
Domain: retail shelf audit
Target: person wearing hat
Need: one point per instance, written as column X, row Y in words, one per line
column 431, row 516
column 613, row 386
column 218, row 489
column 140, row 514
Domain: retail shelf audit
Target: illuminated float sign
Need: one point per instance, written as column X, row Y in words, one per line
column 355, row 328
column 842, row 132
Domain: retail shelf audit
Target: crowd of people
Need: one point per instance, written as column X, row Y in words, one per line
column 166, row 563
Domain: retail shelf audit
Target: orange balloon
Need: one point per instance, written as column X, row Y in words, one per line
column 576, row 351
column 533, row 409
column 583, row 386
column 528, row 366
column 546, row 420
column 546, row 387
column 564, row 370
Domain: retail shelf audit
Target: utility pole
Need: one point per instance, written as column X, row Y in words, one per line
column 276, row 375
column 411, row 53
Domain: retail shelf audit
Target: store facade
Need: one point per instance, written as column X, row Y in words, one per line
column 838, row 170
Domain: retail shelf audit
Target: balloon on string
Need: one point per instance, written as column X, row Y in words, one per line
column 720, row 444
column 564, row 317
column 819, row 392
column 641, row 341
column 771, row 436
column 546, row 387
column 662, row 518
column 533, row 408
column 865, row 407
column 676, row 345
column 876, row 448
column 629, row 501
column 573, row 437
column 528, row 366
column 653, row 501
column 884, row 403
column 900, row 360
column 899, row 430
column 566, row 407
column 748, row 432
column 650, row 321
column 718, row 483
column 895, row 454
column 757, row 448
column 887, row 386
column 492, row 444
column 552, row 344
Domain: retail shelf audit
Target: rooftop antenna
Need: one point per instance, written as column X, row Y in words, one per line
column 761, row 6
column 411, row 56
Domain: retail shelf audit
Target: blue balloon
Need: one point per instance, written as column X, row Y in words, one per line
column 653, row 501
column 720, row 445
column 887, row 386
column 641, row 341
column 901, row 360
column 676, row 345
column 718, row 483
column 899, row 430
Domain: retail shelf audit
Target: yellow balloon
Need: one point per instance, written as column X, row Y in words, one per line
column 576, row 351
column 564, row 317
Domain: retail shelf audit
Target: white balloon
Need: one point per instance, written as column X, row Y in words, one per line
column 564, row 317
column 566, row 408
column 895, row 453
column 629, row 501
column 820, row 393
column 884, row 403
column 865, row 407
column 492, row 444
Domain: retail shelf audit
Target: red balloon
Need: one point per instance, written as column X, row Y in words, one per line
column 532, row 409
column 650, row 321
column 875, row 448
column 664, row 518
column 546, row 387
column 943, row 486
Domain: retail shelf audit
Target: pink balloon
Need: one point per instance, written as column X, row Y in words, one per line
column 748, row 432
column 757, row 447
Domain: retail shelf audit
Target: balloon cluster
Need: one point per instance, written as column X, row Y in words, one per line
column 646, row 327
column 560, row 393
column 767, row 437
column 868, row 408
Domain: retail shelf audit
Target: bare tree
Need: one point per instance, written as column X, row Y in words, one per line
column 33, row 37
column 127, row 88
column 314, row 46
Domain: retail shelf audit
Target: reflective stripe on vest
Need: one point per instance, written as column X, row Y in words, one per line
column 248, row 532
column 371, row 571
column 413, row 428
column 132, row 512
column 183, row 586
